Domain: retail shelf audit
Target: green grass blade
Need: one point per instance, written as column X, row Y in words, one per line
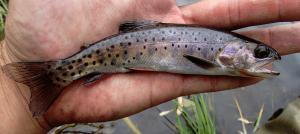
column 257, row 122
column 197, row 121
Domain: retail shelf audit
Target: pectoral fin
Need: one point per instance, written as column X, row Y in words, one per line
column 203, row 63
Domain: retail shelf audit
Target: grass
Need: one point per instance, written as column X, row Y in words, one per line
column 197, row 120
column 245, row 121
column 3, row 14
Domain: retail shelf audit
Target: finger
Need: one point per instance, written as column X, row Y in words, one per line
column 232, row 14
column 121, row 95
column 285, row 38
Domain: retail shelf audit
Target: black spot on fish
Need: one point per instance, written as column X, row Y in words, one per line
column 107, row 49
column 105, row 64
column 109, row 55
column 193, row 33
column 131, row 35
column 112, row 46
column 173, row 45
column 112, row 63
column 79, row 71
column 121, row 43
column 221, row 38
column 79, row 60
column 220, row 49
column 49, row 66
column 144, row 47
column 163, row 38
column 94, row 62
column 72, row 74
column 186, row 32
column 153, row 39
column 137, row 40
column 212, row 49
column 84, row 56
column 128, row 61
column 86, row 64
column 64, row 74
column 199, row 48
column 185, row 46
column 59, row 68
column 117, row 55
column 165, row 48
column 83, row 47
column 129, row 43
column 97, row 51
column 163, row 32
column 133, row 58
column 70, row 67
column 126, row 37
column 241, row 47
column 100, row 61
column 178, row 46
column 181, row 32
column 170, row 31
column 196, row 39
column 179, row 39
column 123, row 64
column 73, row 61
column 145, row 40
column 125, row 52
column 50, row 73
column 155, row 49
column 64, row 81
column 57, row 79
column 174, row 32
column 90, row 56
column 141, row 53
column 205, row 39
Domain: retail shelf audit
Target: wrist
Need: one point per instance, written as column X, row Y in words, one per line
column 14, row 97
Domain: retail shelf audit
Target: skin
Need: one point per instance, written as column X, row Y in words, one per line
column 47, row 30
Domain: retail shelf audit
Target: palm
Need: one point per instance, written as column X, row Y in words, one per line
column 55, row 30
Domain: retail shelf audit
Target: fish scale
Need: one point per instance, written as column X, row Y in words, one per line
column 173, row 38
column 147, row 46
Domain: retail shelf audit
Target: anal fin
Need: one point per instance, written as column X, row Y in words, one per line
column 91, row 78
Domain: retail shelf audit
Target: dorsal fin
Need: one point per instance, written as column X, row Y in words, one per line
column 137, row 25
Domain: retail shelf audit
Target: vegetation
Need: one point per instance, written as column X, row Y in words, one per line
column 3, row 14
column 197, row 120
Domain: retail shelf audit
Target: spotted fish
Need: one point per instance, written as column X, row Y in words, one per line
column 150, row 46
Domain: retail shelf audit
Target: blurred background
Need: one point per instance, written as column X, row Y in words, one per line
column 262, row 99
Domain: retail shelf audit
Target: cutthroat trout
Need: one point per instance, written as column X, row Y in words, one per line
column 150, row 46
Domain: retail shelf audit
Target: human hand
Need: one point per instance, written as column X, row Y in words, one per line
column 56, row 29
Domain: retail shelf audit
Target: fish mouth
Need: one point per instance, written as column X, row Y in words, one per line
column 260, row 69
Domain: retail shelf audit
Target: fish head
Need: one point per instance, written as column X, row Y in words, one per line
column 248, row 58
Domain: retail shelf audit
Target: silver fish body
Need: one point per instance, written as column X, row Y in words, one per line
column 153, row 46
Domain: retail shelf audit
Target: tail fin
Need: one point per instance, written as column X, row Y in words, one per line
column 35, row 75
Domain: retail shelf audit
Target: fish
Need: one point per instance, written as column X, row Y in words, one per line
column 146, row 45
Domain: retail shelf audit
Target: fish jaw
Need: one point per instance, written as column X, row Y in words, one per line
column 259, row 69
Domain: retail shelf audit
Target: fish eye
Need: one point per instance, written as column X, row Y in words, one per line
column 261, row 52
